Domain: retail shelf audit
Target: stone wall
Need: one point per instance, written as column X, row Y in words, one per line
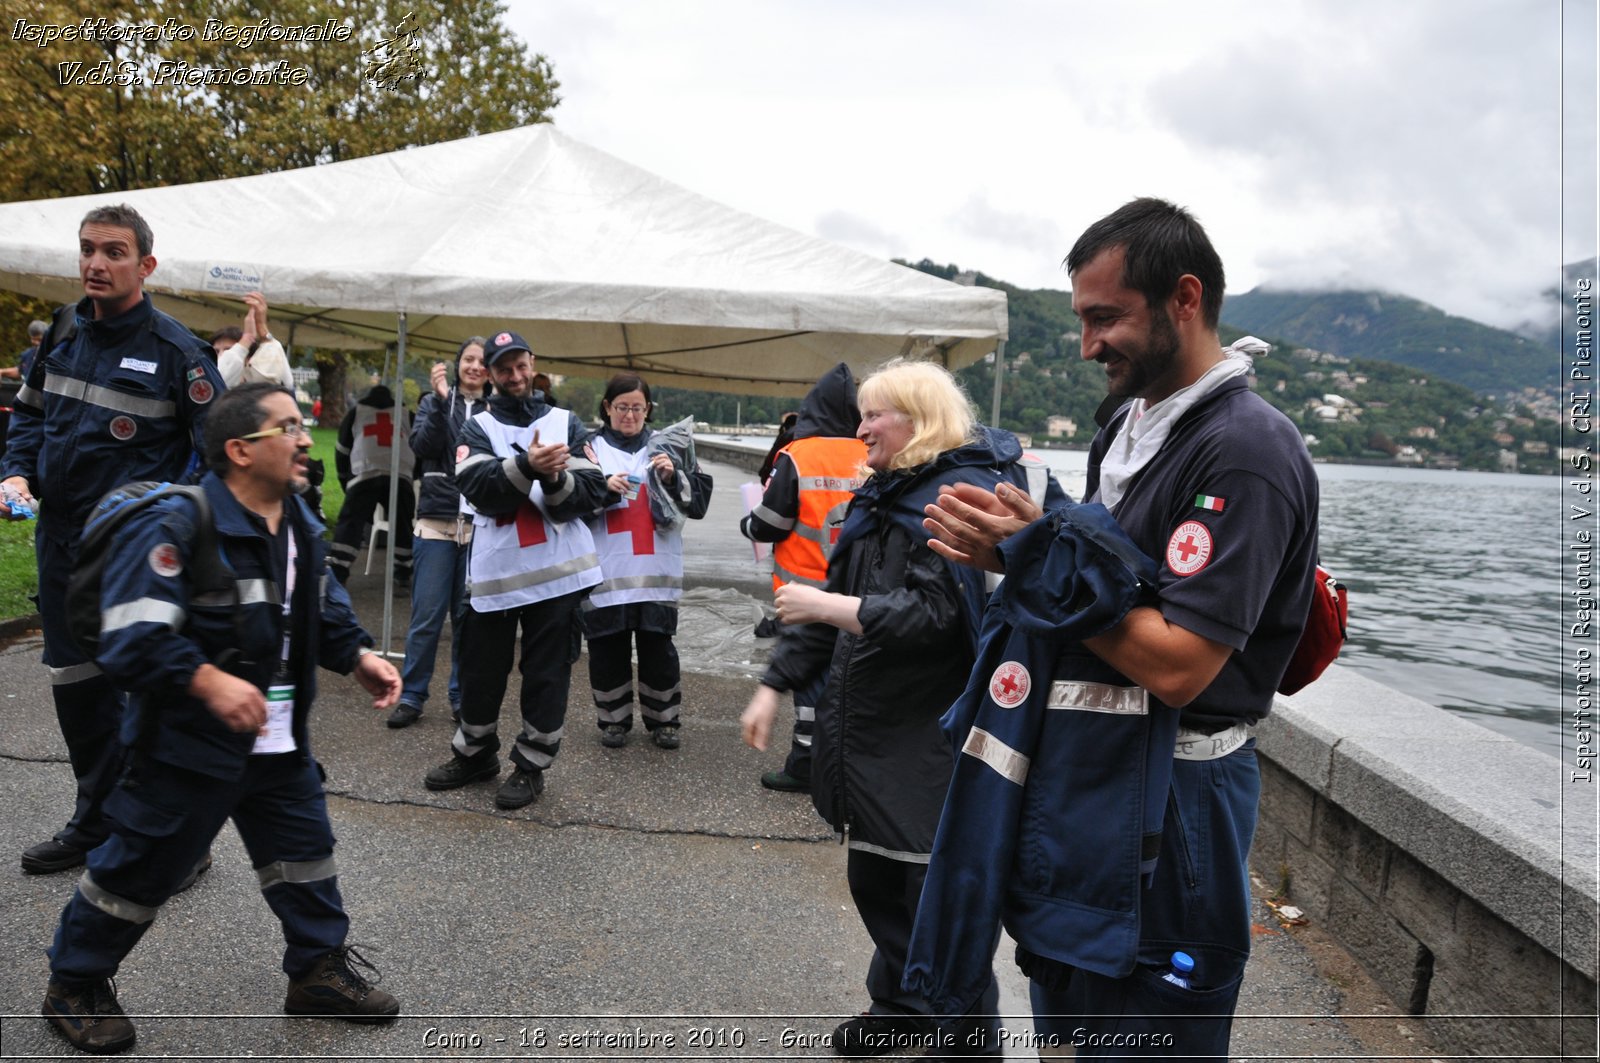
column 1458, row 866
column 740, row 457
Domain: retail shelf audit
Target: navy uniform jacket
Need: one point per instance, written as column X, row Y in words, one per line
column 880, row 763
column 1054, row 812
column 155, row 634
column 125, row 399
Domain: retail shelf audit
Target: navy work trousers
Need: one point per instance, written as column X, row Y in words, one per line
column 88, row 707
column 164, row 820
column 1199, row 904
column 549, row 642
column 611, row 678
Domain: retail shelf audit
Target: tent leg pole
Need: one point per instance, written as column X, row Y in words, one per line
column 999, row 375
column 399, row 393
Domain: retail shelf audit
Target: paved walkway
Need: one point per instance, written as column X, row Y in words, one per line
column 646, row 896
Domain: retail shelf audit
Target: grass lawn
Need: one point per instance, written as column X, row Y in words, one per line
column 19, row 576
column 322, row 444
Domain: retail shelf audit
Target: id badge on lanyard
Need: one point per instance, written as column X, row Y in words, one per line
column 277, row 734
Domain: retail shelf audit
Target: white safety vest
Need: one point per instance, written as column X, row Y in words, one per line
column 374, row 434
column 527, row 557
column 639, row 562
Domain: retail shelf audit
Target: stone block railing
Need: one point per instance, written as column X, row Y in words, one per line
column 747, row 458
column 1457, row 865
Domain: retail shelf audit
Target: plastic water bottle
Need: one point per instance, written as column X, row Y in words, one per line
column 17, row 509
column 1180, row 970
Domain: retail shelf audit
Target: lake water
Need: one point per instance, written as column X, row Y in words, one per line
column 1454, row 582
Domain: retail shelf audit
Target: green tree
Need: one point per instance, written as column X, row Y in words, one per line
column 62, row 138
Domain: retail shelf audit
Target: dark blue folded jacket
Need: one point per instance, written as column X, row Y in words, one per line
column 1053, row 816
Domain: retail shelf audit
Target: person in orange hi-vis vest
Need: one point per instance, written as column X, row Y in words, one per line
column 801, row 512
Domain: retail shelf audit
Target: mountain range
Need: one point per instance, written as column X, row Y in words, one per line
column 1399, row 329
column 1460, row 402
column 1367, row 376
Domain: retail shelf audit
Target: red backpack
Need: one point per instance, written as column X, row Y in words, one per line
column 1324, row 635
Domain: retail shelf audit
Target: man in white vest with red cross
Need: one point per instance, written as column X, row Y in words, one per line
column 363, row 459
column 522, row 468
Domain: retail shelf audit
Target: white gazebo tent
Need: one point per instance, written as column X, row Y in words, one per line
column 599, row 264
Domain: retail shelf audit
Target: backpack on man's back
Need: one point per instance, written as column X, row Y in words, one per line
column 213, row 580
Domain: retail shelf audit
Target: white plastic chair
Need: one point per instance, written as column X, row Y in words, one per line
column 380, row 524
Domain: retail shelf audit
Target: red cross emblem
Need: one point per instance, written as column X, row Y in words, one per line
column 165, row 560
column 530, row 524
column 383, row 428
column 1189, row 549
column 123, row 428
column 1009, row 685
column 201, row 392
column 634, row 517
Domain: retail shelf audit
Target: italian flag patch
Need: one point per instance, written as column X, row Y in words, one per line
column 1211, row 502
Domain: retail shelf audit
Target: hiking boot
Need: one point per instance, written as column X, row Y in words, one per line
column 784, row 782
column 403, row 716
column 520, row 788
column 200, row 868
column 665, row 737
column 51, row 856
column 335, row 989
column 459, row 771
column 615, row 736
column 89, row 1016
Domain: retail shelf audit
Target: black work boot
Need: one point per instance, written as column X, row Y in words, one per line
column 335, row 989
column 51, row 856
column 520, row 789
column 89, row 1016
column 458, row 771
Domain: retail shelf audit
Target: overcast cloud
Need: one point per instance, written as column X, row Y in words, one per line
column 1412, row 146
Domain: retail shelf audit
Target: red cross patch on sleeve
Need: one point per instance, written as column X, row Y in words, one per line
column 1009, row 685
column 165, row 560
column 1189, row 549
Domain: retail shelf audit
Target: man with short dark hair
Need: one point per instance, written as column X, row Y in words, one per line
column 1217, row 488
column 522, row 467
column 119, row 393
column 216, row 726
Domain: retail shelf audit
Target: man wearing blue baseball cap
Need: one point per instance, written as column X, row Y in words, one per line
column 522, row 468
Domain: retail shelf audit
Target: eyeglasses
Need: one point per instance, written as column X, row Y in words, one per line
column 629, row 409
column 293, row 431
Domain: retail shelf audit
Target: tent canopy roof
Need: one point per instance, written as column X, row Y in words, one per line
column 600, row 264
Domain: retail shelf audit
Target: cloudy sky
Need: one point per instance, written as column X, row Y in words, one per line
column 1410, row 145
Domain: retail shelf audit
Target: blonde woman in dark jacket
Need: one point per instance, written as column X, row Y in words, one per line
column 896, row 631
